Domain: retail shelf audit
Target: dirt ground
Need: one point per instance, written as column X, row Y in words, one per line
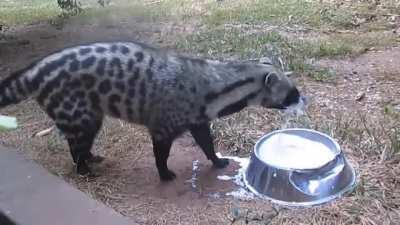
column 129, row 182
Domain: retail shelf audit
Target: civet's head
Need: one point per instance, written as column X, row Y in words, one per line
column 278, row 92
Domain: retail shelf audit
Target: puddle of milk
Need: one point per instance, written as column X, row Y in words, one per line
column 193, row 180
column 224, row 177
column 292, row 151
column 242, row 192
column 297, row 112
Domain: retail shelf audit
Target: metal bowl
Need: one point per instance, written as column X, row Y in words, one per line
column 290, row 186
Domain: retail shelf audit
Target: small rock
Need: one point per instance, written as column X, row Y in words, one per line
column 360, row 96
column 396, row 108
column 355, row 72
column 236, row 212
column 322, row 104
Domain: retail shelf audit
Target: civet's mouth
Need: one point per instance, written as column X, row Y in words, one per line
column 298, row 107
column 292, row 100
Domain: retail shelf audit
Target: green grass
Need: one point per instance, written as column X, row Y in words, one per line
column 306, row 13
column 134, row 9
column 243, row 43
column 220, row 42
column 235, row 42
column 140, row 11
column 313, row 14
column 392, row 132
column 14, row 12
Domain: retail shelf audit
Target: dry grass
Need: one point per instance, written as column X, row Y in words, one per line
column 371, row 146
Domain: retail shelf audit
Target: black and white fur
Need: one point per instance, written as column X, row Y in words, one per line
column 166, row 92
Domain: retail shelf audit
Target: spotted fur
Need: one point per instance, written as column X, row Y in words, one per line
column 166, row 92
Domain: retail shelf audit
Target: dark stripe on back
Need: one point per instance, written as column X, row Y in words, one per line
column 101, row 66
column 130, row 65
column 237, row 106
column 55, row 101
column 84, row 51
column 88, row 62
column 151, row 62
column 149, row 74
column 74, row 65
column 17, row 75
column 240, row 67
column 48, row 68
column 94, row 99
column 112, row 100
column 116, row 63
column 142, row 100
column 20, row 87
column 211, row 96
column 100, row 49
column 200, row 62
column 52, row 85
column 31, row 85
column 134, row 77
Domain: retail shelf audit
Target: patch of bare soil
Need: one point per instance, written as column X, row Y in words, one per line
column 366, row 83
column 129, row 181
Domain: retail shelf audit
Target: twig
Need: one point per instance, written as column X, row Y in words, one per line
column 43, row 132
column 153, row 2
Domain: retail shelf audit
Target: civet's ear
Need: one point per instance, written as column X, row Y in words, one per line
column 265, row 60
column 271, row 79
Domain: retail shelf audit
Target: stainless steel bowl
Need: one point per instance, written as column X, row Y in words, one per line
column 300, row 187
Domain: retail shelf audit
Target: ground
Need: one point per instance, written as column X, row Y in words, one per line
column 346, row 58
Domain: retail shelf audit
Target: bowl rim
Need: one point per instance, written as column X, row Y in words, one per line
column 349, row 188
column 266, row 136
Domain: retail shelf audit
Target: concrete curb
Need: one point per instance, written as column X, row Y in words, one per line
column 30, row 195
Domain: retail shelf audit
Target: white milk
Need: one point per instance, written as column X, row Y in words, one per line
column 291, row 151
